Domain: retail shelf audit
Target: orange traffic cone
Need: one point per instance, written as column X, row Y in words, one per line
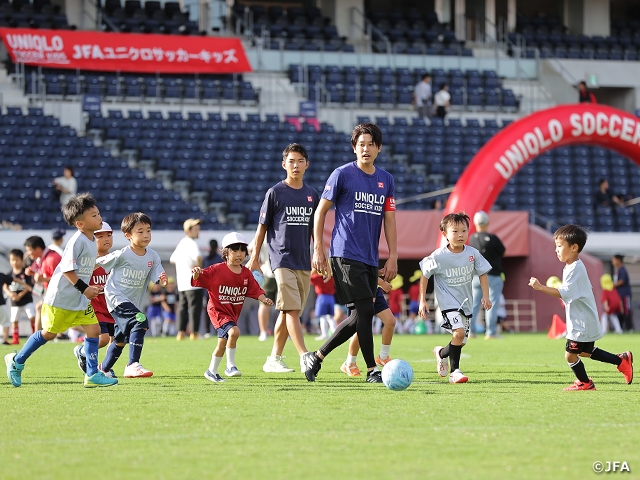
column 558, row 328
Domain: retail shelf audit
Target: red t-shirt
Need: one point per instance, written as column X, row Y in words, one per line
column 414, row 292
column 395, row 300
column 99, row 303
column 614, row 303
column 46, row 264
column 227, row 291
column 320, row 287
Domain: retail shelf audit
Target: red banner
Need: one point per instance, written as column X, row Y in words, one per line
column 125, row 52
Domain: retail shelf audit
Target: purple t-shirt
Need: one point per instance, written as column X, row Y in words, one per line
column 360, row 200
column 288, row 215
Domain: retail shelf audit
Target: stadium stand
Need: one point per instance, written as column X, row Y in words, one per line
column 39, row 14
column 150, row 17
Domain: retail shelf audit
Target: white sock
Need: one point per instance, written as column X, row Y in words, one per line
column 332, row 323
column 231, row 357
column 215, row 363
column 384, row 351
column 323, row 326
column 351, row 359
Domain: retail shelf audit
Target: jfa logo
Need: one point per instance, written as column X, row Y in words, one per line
column 380, row 184
column 471, row 258
column 245, row 282
column 263, row 215
column 327, row 188
column 150, row 264
column 310, row 198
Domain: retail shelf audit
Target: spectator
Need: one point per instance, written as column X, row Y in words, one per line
column 604, row 196
column 584, row 95
column 422, row 96
column 211, row 259
column 611, row 305
column 621, row 282
column 66, row 185
column 492, row 249
column 57, row 236
column 442, row 101
column 185, row 257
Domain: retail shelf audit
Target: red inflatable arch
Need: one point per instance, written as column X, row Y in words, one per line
column 517, row 144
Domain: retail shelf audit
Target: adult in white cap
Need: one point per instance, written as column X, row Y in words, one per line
column 491, row 248
column 186, row 256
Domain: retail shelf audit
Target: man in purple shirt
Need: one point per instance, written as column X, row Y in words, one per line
column 363, row 197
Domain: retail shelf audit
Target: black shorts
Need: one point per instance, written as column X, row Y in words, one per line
column 106, row 327
column 354, row 280
column 270, row 288
column 579, row 347
column 127, row 318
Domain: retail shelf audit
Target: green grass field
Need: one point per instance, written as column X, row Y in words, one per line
column 512, row 420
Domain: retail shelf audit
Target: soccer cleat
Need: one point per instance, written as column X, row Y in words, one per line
column 351, row 370
column 233, row 372
column 109, row 374
column 374, row 376
column 578, row 385
column 381, row 362
column 626, row 367
column 193, row 336
column 442, row 364
column 82, row 360
column 135, row 370
column 15, row 341
column 99, row 379
column 275, row 364
column 14, row 370
column 458, row 377
column 263, row 336
column 214, row 377
column 310, row 365
column 180, row 336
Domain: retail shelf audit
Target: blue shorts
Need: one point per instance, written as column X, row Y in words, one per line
column 324, row 304
column 223, row 331
column 106, row 327
column 125, row 317
column 154, row 311
column 414, row 306
column 169, row 315
column 380, row 304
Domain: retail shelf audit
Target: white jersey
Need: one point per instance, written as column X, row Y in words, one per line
column 580, row 304
column 185, row 257
column 130, row 276
column 452, row 276
column 80, row 256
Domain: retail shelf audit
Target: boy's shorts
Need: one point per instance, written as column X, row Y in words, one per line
column 5, row 319
column 270, row 288
column 169, row 315
column 579, row 347
column 58, row 320
column 293, row 289
column 126, row 322
column 106, row 327
column 324, row 305
column 380, row 305
column 154, row 311
column 414, row 306
column 453, row 320
column 223, row 331
column 29, row 310
column 354, row 280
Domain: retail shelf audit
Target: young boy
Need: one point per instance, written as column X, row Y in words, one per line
column 453, row 268
column 169, row 307
column 5, row 319
column 583, row 326
column 19, row 291
column 325, row 304
column 132, row 269
column 104, row 242
column 414, row 304
column 228, row 284
column 63, row 306
column 154, row 310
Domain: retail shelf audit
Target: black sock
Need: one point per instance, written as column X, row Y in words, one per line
column 605, row 357
column 364, row 327
column 579, row 370
column 343, row 333
column 454, row 354
column 444, row 353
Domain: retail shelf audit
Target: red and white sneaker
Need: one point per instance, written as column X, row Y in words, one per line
column 578, row 385
column 458, row 377
column 135, row 370
column 351, row 370
column 442, row 364
column 626, row 367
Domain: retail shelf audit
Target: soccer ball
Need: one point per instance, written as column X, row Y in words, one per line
column 259, row 277
column 397, row 375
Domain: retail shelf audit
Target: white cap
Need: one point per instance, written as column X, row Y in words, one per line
column 105, row 228
column 481, row 218
column 233, row 237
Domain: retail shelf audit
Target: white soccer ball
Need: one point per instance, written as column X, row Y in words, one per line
column 259, row 277
column 397, row 375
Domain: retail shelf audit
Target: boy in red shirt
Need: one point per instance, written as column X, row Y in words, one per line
column 228, row 284
column 325, row 304
column 611, row 303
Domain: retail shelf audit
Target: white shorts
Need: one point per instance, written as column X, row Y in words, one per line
column 29, row 310
column 454, row 320
column 5, row 320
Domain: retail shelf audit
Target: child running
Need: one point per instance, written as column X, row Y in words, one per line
column 19, row 291
column 453, row 268
column 66, row 303
column 228, row 284
column 583, row 325
column 132, row 269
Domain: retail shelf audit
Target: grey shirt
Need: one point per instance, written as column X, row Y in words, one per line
column 80, row 256
column 130, row 275
column 583, row 324
column 452, row 276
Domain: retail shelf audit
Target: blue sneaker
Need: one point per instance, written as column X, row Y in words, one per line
column 14, row 370
column 214, row 377
column 82, row 360
column 99, row 379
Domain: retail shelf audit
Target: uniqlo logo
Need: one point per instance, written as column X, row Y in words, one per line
column 471, row 258
column 150, row 264
column 245, row 282
column 310, row 198
column 380, row 184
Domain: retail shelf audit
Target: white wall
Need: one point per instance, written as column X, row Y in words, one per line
column 596, row 17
